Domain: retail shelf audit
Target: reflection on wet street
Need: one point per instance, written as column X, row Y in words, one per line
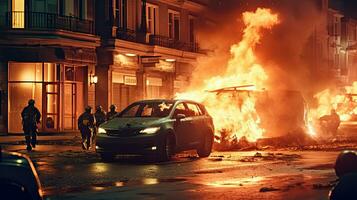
column 70, row 173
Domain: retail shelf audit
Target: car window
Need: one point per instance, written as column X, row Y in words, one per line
column 180, row 109
column 148, row 109
column 131, row 111
column 192, row 110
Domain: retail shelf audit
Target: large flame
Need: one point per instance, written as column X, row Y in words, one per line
column 343, row 101
column 237, row 116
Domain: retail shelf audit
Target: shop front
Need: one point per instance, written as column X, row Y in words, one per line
column 57, row 88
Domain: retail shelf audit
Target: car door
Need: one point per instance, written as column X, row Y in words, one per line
column 182, row 127
column 197, row 123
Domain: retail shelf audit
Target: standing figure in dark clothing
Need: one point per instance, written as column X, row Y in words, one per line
column 100, row 118
column 330, row 123
column 30, row 118
column 86, row 126
column 111, row 114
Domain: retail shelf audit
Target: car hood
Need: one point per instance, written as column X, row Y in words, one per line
column 135, row 123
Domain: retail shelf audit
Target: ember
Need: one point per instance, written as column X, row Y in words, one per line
column 235, row 120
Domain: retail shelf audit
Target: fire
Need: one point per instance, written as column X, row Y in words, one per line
column 238, row 116
column 344, row 102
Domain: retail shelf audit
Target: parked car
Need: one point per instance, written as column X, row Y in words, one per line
column 157, row 128
column 18, row 178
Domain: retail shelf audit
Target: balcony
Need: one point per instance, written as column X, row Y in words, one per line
column 172, row 43
column 38, row 21
column 130, row 35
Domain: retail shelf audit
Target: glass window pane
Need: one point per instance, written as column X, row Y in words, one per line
column 25, row 71
column 18, row 13
column 19, row 94
column 50, row 72
column 69, row 73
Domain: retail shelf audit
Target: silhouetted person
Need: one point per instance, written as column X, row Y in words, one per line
column 330, row 123
column 100, row 118
column 346, row 170
column 86, row 125
column 112, row 113
column 30, row 118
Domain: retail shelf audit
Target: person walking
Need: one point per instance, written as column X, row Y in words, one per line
column 112, row 112
column 30, row 118
column 86, row 125
column 100, row 118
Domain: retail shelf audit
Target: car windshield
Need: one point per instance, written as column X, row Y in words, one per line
column 148, row 109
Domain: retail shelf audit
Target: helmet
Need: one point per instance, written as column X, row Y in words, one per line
column 346, row 163
column 113, row 107
column 31, row 102
column 99, row 107
column 88, row 108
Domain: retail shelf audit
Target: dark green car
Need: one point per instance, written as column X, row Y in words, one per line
column 158, row 128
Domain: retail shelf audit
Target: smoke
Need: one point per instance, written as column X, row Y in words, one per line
column 285, row 52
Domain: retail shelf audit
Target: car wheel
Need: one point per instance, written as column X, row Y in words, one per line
column 205, row 148
column 107, row 157
column 167, row 149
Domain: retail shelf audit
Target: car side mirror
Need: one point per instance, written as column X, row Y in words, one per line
column 180, row 116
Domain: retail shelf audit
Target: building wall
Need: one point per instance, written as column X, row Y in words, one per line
column 3, row 97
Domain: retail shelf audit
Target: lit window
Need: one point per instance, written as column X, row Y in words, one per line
column 18, row 13
column 151, row 17
column 174, row 25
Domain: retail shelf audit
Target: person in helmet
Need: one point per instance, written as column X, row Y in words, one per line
column 30, row 118
column 111, row 114
column 86, row 125
column 346, row 171
column 100, row 118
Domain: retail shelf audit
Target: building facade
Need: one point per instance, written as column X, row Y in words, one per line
column 148, row 49
column 67, row 54
column 47, row 53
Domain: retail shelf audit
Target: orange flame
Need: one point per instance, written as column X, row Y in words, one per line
column 345, row 103
column 238, row 116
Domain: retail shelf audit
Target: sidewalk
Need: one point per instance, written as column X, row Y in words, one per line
column 42, row 138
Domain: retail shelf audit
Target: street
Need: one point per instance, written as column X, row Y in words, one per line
column 67, row 172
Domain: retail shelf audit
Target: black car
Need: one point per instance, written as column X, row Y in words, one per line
column 157, row 128
column 18, row 178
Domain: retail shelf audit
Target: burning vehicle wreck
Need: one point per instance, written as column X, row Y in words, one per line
column 281, row 114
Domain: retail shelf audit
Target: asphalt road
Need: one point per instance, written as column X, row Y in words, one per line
column 67, row 172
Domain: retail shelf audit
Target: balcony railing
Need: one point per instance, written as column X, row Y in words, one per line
column 130, row 35
column 172, row 43
column 45, row 21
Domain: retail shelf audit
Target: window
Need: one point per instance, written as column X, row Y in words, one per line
column 180, row 109
column 18, row 13
column 121, row 13
column 192, row 29
column 150, row 109
column 174, row 25
column 66, row 7
column 193, row 110
column 69, row 73
column 151, row 18
column 83, row 7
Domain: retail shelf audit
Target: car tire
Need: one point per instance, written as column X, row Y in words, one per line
column 107, row 157
column 167, row 149
column 205, row 149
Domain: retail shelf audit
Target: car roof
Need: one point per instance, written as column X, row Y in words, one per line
column 166, row 100
column 7, row 158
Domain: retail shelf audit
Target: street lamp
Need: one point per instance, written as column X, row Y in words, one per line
column 93, row 79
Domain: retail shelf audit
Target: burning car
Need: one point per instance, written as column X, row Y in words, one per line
column 159, row 128
column 278, row 113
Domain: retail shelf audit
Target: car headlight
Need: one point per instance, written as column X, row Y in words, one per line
column 150, row 130
column 101, row 131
